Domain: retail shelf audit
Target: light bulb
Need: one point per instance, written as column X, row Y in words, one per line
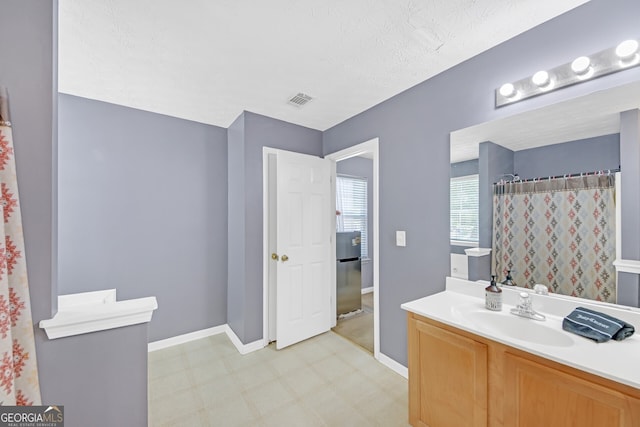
column 507, row 90
column 627, row 49
column 581, row 65
column 540, row 79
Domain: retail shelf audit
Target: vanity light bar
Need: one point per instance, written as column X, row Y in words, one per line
column 625, row 55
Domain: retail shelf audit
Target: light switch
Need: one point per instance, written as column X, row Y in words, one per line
column 401, row 238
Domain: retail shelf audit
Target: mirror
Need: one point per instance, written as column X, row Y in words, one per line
column 568, row 138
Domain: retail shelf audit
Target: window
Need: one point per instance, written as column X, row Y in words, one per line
column 351, row 201
column 464, row 210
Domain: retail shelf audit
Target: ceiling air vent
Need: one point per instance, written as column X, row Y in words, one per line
column 299, row 99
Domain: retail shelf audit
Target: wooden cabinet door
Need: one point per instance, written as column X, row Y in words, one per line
column 536, row 395
column 447, row 378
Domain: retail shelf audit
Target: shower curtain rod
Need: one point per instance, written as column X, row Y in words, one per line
column 516, row 179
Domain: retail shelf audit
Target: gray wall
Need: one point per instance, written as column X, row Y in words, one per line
column 468, row 167
column 363, row 167
column 252, row 133
column 27, row 68
column 584, row 155
column 142, row 208
column 494, row 162
column 413, row 128
column 91, row 372
column 88, row 372
column 628, row 284
column 236, row 231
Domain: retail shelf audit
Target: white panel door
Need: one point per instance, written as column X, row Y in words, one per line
column 303, row 301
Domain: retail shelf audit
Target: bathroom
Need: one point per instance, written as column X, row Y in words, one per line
column 191, row 190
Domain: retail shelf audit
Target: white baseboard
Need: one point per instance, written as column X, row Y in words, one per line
column 367, row 290
column 192, row 336
column 393, row 365
column 243, row 348
column 185, row 338
column 252, row 346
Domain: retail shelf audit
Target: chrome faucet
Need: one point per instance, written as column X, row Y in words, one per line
column 525, row 308
column 541, row 289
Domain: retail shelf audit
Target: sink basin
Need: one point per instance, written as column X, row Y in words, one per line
column 516, row 327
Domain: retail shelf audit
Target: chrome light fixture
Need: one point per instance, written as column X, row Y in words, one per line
column 627, row 51
column 542, row 80
column 583, row 68
column 508, row 90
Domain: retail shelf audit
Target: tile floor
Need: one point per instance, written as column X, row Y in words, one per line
column 324, row 381
column 359, row 328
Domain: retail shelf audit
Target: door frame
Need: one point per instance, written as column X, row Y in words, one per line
column 267, row 176
column 368, row 147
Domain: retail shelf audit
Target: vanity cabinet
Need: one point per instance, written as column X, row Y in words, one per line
column 537, row 395
column 448, row 378
column 460, row 379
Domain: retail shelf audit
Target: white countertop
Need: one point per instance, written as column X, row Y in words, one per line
column 615, row 360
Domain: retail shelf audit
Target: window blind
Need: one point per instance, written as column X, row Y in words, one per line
column 464, row 209
column 351, row 201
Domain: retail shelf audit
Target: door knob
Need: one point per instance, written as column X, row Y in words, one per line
column 275, row 257
column 285, row 258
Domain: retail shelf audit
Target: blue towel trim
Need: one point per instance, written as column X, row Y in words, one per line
column 592, row 313
column 589, row 326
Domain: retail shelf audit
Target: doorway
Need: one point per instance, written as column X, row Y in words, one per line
column 356, row 327
column 370, row 149
column 354, row 266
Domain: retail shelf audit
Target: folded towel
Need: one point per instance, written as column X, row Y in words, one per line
column 597, row 326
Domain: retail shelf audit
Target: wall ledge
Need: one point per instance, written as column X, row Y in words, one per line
column 627, row 266
column 88, row 312
column 477, row 252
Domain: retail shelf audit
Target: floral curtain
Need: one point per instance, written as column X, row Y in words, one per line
column 18, row 368
column 558, row 232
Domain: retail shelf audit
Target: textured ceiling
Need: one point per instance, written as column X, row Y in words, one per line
column 208, row 60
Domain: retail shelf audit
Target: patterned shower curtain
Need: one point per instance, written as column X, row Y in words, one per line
column 18, row 368
column 558, row 232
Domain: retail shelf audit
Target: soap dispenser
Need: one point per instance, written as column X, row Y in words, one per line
column 509, row 280
column 493, row 296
